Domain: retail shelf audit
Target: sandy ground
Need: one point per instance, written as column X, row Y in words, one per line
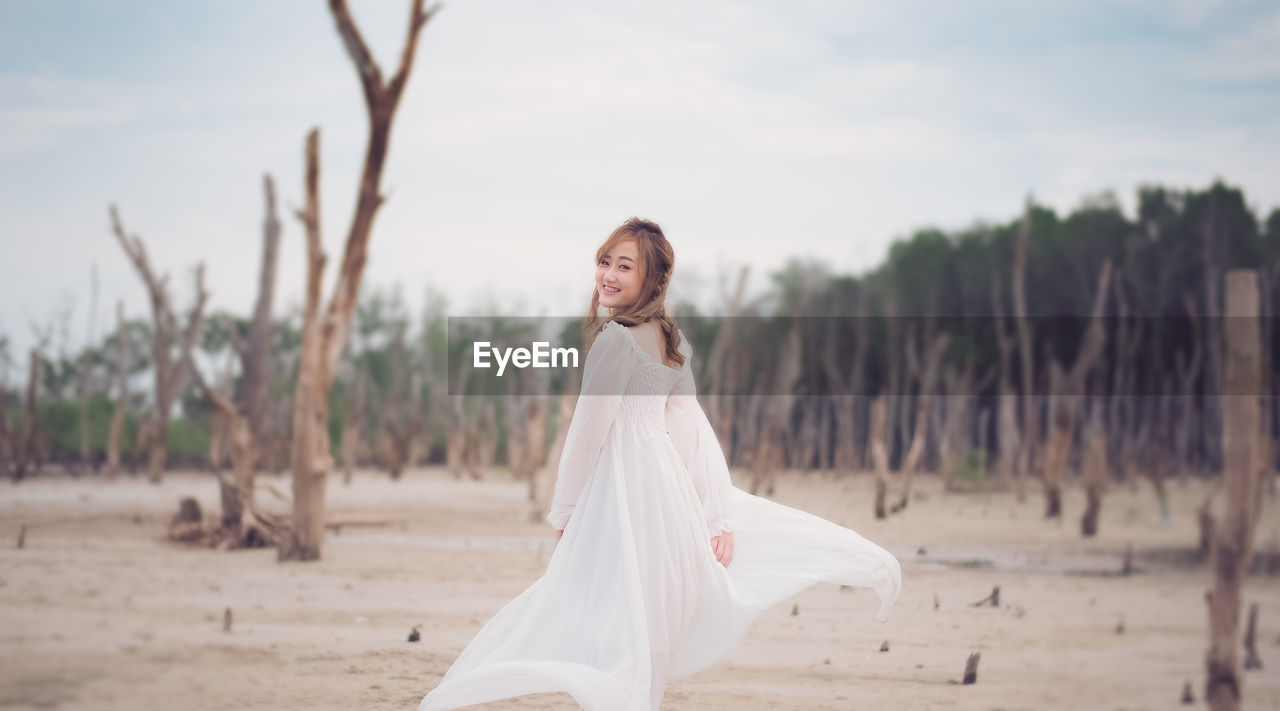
column 97, row 611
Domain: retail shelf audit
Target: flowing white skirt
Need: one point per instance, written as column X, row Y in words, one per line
column 633, row 595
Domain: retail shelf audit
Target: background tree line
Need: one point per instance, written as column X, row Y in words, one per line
column 957, row 371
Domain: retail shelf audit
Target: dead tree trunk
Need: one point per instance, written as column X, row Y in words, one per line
column 27, row 449
column 1120, row 405
column 1233, row 539
column 325, row 335
column 879, row 455
column 915, row 448
column 353, row 426
column 243, row 525
column 170, row 372
column 1095, row 472
column 1008, row 436
column 6, row 440
column 1187, row 370
column 720, row 411
column 544, row 478
column 1030, row 429
column 401, row 408
column 770, row 452
column 255, row 389
column 481, row 448
column 847, row 456
column 1211, row 418
column 84, row 376
column 219, row 446
column 531, row 430
column 1068, row 401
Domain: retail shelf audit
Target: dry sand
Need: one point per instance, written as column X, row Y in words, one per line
column 98, row 611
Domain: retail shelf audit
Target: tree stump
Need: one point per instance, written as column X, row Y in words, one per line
column 971, row 668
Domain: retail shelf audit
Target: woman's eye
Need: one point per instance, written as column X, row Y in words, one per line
column 625, row 267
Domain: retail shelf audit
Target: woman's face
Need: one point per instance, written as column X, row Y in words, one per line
column 618, row 275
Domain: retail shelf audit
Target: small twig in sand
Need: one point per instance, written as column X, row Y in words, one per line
column 971, row 668
column 795, row 609
column 1188, row 698
column 885, row 646
column 414, row 634
column 993, row 598
column 336, row 526
column 935, row 601
column 1127, row 569
column 1120, row 626
column 22, row 536
column 226, row 620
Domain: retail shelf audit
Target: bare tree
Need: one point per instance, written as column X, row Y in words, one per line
column 27, row 448
column 170, row 371
column 401, row 406
column 324, row 335
column 1187, row 369
column 1210, row 429
column 544, row 478
column 769, row 453
column 353, row 424
column 6, row 438
column 1095, row 471
column 1008, row 437
column 879, row 454
column 848, row 456
column 1067, row 398
column 84, row 389
column 1233, row 540
column 243, row 524
column 254, row 394
column 720, row 411
column 243, row 421
column 928, row 380
column 1030, row 439
column 122, row 399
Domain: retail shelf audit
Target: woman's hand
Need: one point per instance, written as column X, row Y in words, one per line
column 722, row 546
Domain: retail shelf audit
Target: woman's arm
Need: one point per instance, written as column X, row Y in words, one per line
column 604, row 376
column 696, row 442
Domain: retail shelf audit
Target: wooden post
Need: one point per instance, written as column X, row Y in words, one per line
column 1233, row 537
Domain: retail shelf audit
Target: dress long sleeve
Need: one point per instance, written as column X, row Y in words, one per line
column 604, row 377
column 698, row 446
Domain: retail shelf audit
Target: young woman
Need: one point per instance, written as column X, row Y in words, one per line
column 661, row 563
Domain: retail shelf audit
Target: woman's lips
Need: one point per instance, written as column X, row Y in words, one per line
column 610, row 290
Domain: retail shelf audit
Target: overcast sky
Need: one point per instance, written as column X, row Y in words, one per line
column 750, row 131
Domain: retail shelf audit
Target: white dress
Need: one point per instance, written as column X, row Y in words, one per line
column 633, row 595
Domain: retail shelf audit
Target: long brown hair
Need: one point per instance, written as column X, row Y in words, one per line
column 657, row 260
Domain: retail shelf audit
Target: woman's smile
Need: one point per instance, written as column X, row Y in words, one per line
column 618, row 276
